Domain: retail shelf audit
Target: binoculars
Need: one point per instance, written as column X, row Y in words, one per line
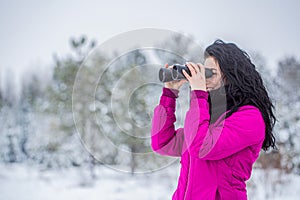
column 175, row 73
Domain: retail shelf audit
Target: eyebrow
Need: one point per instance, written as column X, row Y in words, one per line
column 211, row 68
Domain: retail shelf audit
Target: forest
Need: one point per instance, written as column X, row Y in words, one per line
column 93, row 115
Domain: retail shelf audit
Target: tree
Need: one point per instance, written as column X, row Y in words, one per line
column 288, row 81
column 59, row 96
column 131, row 93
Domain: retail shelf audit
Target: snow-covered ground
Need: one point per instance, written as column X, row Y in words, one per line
column 21, row 182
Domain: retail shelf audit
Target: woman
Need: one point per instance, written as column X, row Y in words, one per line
column 229, row 121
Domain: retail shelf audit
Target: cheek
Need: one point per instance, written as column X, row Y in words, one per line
column 214, row 81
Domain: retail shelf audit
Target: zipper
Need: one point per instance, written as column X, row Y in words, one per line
column 190, row 160
column 187, row 184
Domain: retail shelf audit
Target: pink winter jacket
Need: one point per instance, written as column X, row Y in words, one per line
column 216, row 159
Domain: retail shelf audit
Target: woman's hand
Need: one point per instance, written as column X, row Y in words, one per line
column 174, row 84
column 197, row 78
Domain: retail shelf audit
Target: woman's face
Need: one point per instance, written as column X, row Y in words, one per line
column 215, row 81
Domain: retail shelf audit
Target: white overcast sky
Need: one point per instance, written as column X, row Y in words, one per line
column 32, row 30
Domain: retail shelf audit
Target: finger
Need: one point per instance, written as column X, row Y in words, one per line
column 202, row 70
column 199, row 65
column 191, row 68
column 196, row 67
column 187, row 76
column 183, row 81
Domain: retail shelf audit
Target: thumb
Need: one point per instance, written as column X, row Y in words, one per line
column 182, row 81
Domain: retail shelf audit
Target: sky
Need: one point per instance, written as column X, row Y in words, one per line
column 33, row 30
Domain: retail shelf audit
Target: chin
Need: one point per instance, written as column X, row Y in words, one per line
column 211, row 89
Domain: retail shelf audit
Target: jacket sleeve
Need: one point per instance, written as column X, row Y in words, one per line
column 243, row 128
column 165, row 140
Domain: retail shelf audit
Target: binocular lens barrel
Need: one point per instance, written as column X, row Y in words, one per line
column 175, row 73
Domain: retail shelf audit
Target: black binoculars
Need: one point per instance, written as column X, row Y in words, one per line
column 175, row 73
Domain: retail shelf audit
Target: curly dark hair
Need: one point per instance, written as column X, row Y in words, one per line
column 244, row 84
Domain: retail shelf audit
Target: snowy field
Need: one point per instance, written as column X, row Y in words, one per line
column 19, row 182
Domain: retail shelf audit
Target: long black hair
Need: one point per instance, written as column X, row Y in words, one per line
column 244, row 84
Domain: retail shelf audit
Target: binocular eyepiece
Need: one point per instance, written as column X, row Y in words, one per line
column 175, row 73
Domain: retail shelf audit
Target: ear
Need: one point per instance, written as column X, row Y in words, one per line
column 224, row 80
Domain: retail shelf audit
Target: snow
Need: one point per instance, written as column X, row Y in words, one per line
column 32, row 183
column 273, row 184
